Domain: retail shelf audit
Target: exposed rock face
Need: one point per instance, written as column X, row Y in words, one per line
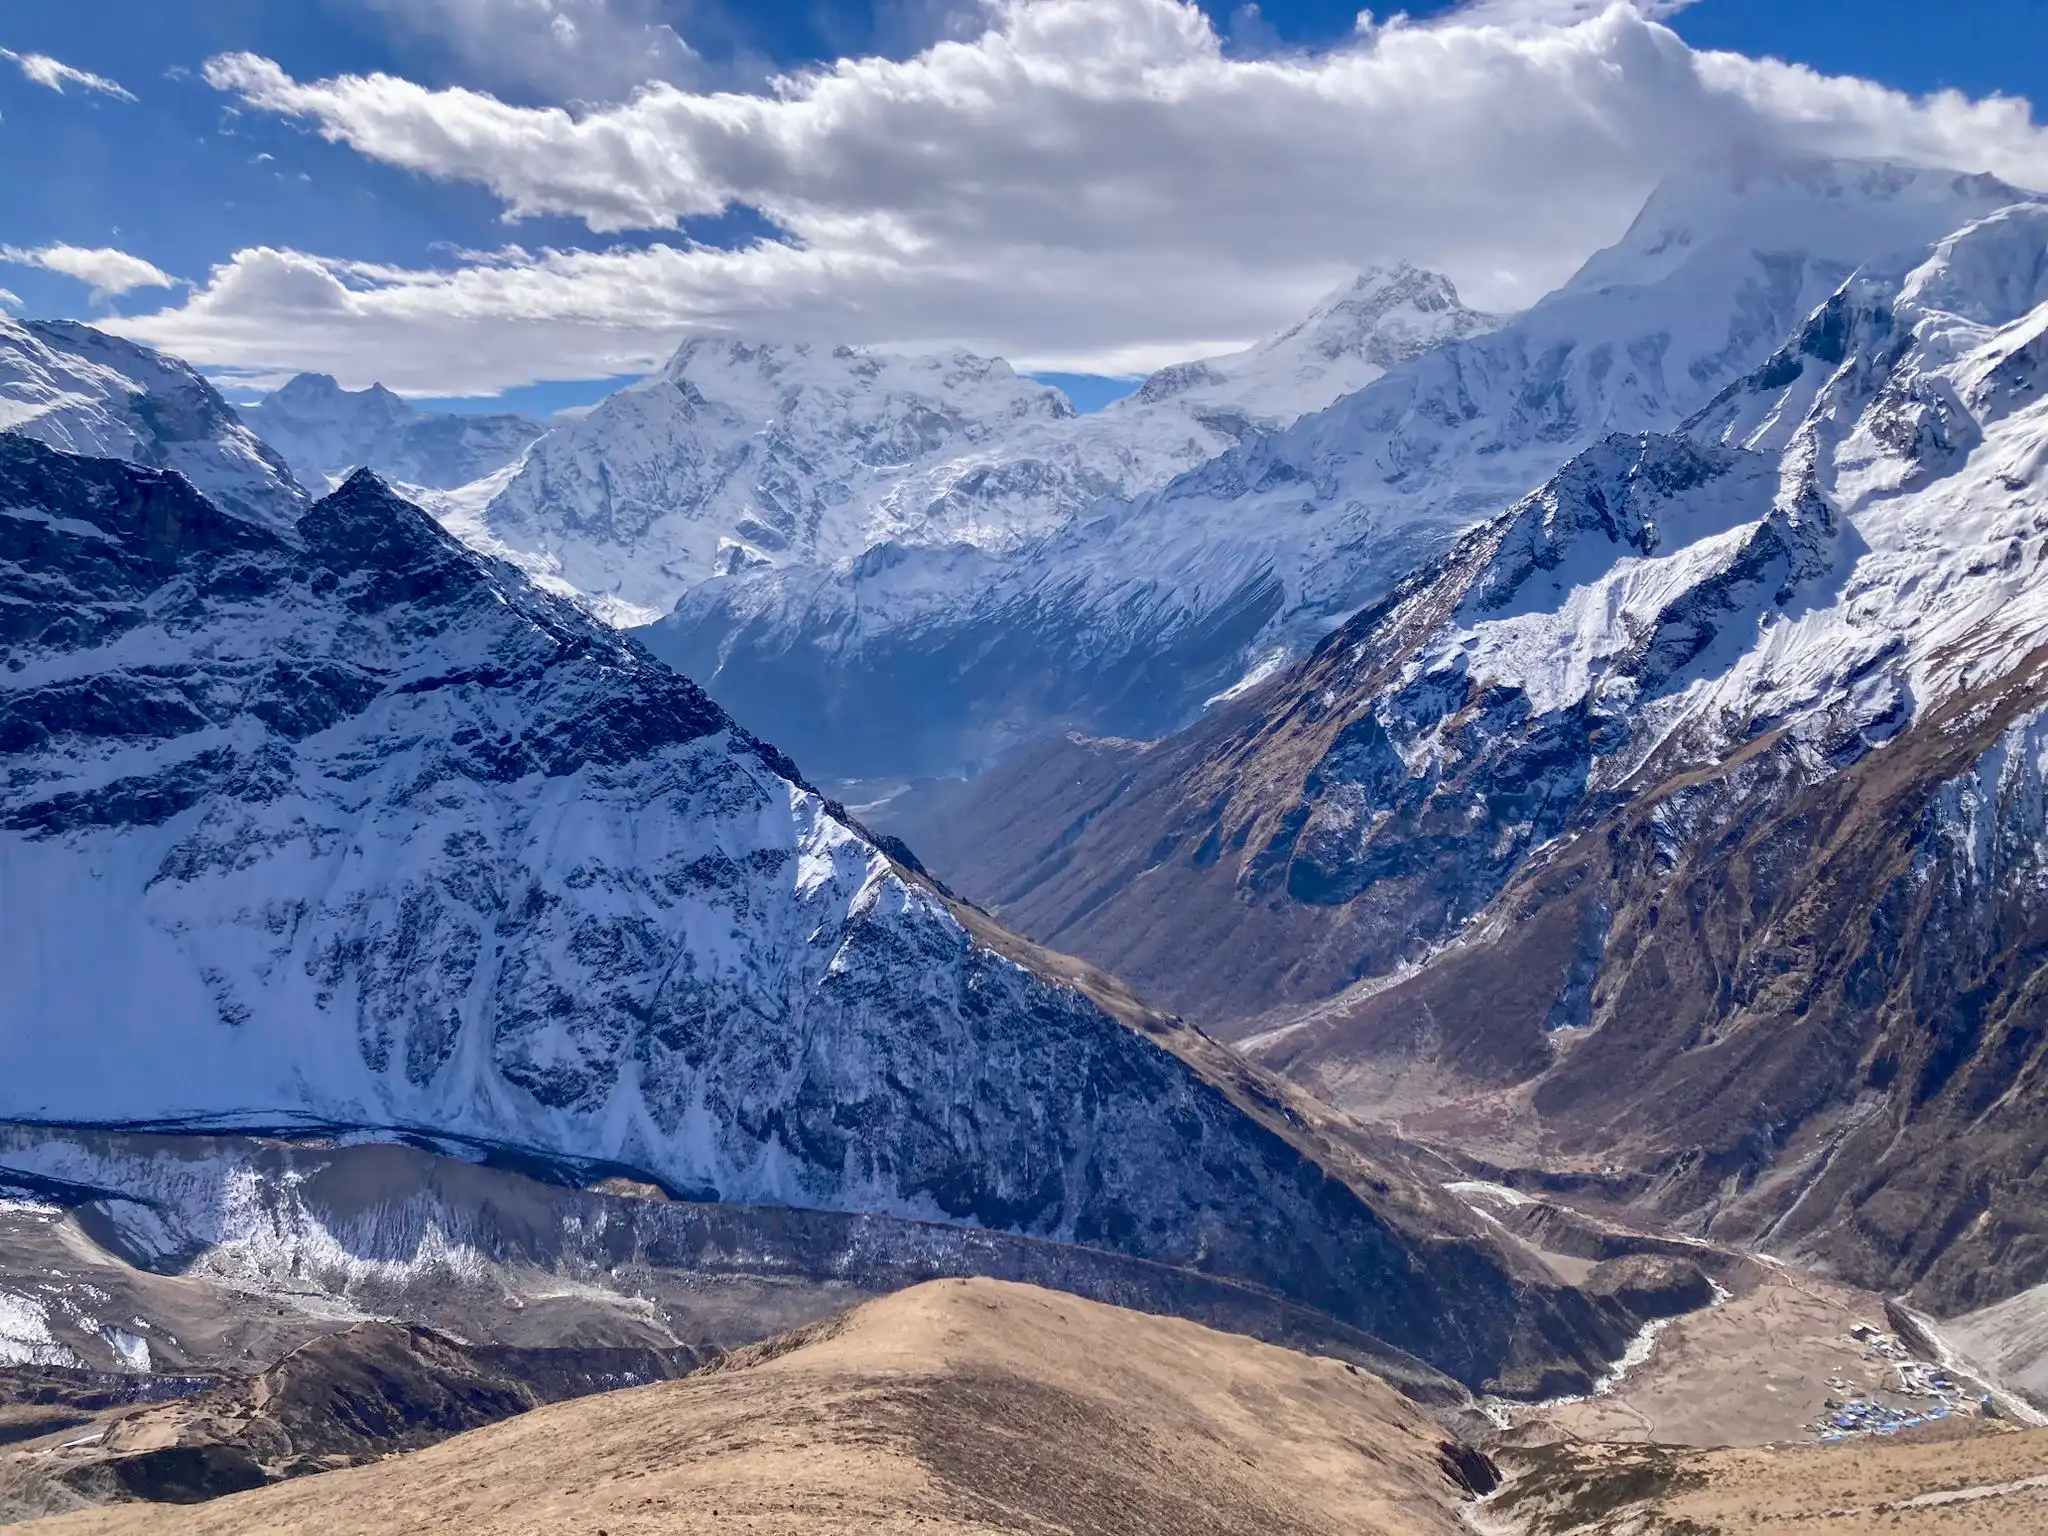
column 1652, row 1285
column 325, row 432
column 1129, row 620
column 386, row 838
column 1695, row 801
column 368, row 1391
column 1809, row 1013
column 219, row 1252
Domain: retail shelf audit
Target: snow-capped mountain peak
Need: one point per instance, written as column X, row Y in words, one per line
column 313, row 395
column 762, row 377
column 83, row 391
column 324, row 432
column 740, row 453
column 1871, row 214
column 1386, row 313
column 1382, row 318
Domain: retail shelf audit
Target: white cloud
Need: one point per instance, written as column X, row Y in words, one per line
column 108, row 271
column 595, row 49
column 1554, row 13
column 10, row 300
column 1094, row 184
column 56, row 74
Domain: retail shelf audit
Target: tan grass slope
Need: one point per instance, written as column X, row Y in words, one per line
column 957, row 1406
column 1973, row 1481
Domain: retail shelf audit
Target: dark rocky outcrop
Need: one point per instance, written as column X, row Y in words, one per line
column 343, row 1399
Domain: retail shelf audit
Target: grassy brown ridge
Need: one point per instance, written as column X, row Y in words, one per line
column 957, row 1406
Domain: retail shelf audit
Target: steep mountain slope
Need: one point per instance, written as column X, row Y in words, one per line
column 385, row 838
column 83, row 391
column 737, row 454
column 1694, row 805
column 959, row 1406
column 1125, row 622
column 324, row 432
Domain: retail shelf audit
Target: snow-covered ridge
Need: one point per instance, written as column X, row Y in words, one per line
column 1840, row 542
column 1718, row 270
column 83, row 391
column 743, row 455
column 326, row 432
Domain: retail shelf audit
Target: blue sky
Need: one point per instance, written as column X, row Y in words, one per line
column 184, row 173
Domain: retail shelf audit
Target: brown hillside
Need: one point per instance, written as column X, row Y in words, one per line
column 1990, row 1484
column 958, row 1406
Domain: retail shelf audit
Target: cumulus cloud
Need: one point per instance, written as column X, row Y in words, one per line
column 56, row 74
column 598, row 50
column 108, row 271
column 1092, row 184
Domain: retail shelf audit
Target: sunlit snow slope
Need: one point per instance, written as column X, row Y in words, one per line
column 83, row 391
column 1125, row 621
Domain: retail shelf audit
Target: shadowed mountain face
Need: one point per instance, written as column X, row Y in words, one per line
column 1685, row 822
column 387, row 839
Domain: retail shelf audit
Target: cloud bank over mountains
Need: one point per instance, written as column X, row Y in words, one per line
column 1095, row 185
